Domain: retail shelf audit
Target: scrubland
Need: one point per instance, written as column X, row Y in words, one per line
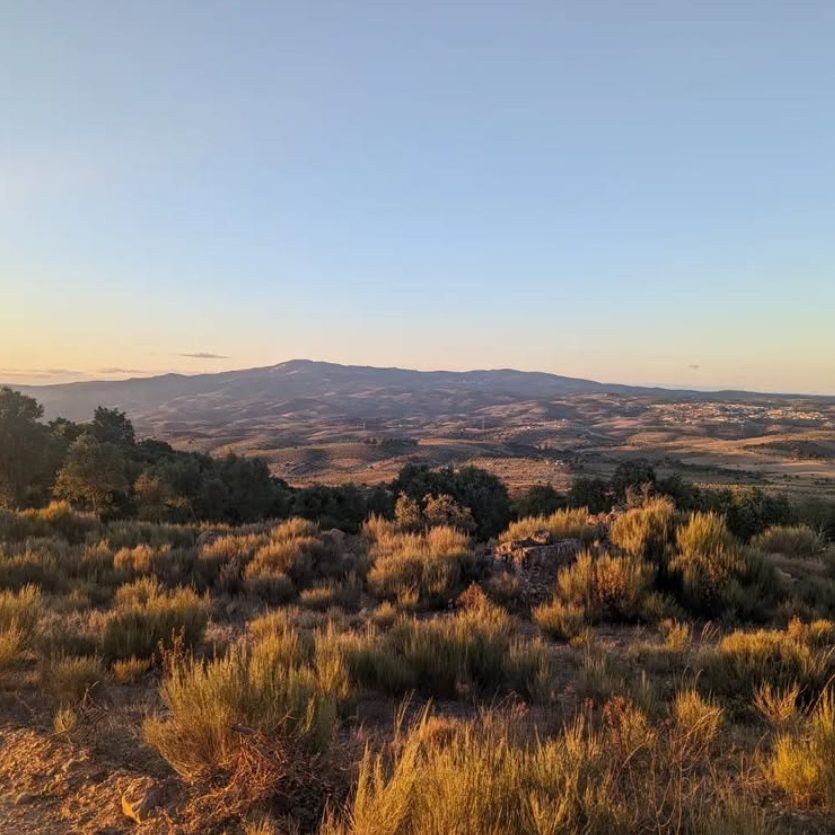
column 279, row 677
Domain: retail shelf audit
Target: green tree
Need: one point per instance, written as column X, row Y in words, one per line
column 592, row 493
column 110, row 426
column 22, row 447
column 539, row 500
column 632, row 476
column 94, row 476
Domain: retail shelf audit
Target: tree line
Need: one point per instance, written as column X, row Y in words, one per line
column 101, row 466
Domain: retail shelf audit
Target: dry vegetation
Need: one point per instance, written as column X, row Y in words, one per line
column 276, row 678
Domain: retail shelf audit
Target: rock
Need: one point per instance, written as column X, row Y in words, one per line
column 143, row 803
column 536, row 564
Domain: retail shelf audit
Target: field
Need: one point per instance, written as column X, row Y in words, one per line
column 640, row 671
column 782, row 444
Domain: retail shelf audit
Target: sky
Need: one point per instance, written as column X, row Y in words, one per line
column 639, row 192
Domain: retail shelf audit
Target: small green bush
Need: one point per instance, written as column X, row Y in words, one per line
column 790, row 541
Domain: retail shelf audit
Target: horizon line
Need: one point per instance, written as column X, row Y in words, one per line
column 152, row 374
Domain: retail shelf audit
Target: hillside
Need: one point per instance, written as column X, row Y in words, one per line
column 316, row 421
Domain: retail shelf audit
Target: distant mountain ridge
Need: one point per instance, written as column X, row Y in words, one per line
column 324, row 390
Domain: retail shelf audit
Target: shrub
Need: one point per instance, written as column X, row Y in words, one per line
column 427, row 569
column 20, row 615
column 130, row 670
column 21, row 610
column 272, row 588
column 474, row 651
column 716, row 574
column 605, row 587
column 11, row 646
column 70, row 679
column 645, row 531
column 803, row 763
column 267, row 687
column 145, row 616
column 744, row 661
column 484, row 777
column 297, row 550
column 698, row 718
column 561, row 524
column 790, row 541
column 56, row 520
column 560, row 620
column 777, row 705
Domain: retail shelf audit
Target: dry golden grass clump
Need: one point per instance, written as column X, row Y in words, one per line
column 716, row 574
column 803, row 761
column 605, row 587
column 561, row 524
column 742, row 662
column 57, row 520
column 268, row 686
column 475, row 651
column 421, row 568
column 71, row 679
column 560, row 620
column 294, row 555
column 20, row 614
column 487, row 776
column 146, row 615
column 645, row 531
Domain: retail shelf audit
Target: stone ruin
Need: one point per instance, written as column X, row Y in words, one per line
column 535, row 561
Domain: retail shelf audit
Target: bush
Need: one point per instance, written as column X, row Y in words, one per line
column 716, row 575
column 645, row 531
column 793, row 541
column 561, row 524
column 268, row 686
column 485, row 777
column 146, row 616
column 605, row 587
column 57, row 520
column 560, row 620
column 20, row 614
column 130, row 670
column 71, row 679
column 803, row 763
column 742, row 662
column 425, row 569
column 297, row 550
column 21, row 610
column 474, row 651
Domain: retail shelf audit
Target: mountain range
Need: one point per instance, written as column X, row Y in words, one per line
column 303, row 388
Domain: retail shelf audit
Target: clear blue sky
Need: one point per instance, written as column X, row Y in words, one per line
column 631, row 191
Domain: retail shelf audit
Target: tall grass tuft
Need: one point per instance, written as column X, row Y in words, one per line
column 267, row 686
column 561, row 524
column 146, row 615
column 425, row 569
column 486, row 777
